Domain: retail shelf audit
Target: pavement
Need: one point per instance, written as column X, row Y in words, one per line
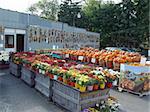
column 16, row 96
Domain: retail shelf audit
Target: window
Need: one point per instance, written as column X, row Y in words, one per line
column 9, row 41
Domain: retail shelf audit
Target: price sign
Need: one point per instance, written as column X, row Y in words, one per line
column 93, row 60
column 115, row 83
column 80, row 58
column 67, row 55
column 143, row 60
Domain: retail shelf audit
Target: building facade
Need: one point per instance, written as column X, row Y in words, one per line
column 23, row 32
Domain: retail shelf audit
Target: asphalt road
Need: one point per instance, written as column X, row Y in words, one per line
column 16, row 96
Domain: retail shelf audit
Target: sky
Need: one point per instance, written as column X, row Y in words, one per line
column 22, row 5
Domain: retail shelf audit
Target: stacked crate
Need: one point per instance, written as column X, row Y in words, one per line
column 44, row 85
column 15, row 69
column 28, row 76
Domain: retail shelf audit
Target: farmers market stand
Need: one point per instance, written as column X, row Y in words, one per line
column 66, row 87
column 64, row 95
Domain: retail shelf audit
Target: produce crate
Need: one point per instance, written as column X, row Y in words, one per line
column 74, row 100
column 28, row 76
column 15, row 69
column 44, row 85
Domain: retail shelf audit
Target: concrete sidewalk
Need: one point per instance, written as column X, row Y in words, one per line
column 16, row 96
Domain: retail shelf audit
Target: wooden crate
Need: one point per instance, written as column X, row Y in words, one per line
column 44, row 85
column 28, row 76
column 74, row 100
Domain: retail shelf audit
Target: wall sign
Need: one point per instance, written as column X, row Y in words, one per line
column 71, row 39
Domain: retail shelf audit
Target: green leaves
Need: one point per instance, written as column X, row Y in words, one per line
column 68, row 12
column 47, row 9
column 125, row 23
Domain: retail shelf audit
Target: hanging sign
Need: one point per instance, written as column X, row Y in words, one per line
column 143, row 60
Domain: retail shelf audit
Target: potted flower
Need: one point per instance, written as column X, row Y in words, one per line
column 96, row 84
column 55, row 72
column 50, row 74
column 66, row 77
column 72, row 81
column 109, row 82
column 60, row 76
column 83, row 83
column 90, row 84
column 76, row 83
column 82, row 86
column 102, row 81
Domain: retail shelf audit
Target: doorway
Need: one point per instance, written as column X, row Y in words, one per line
column 19, row 42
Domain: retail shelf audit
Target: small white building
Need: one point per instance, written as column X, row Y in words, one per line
column 23, row 32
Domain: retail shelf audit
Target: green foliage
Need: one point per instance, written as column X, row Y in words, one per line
column 69, row 11
column 120, row 24
column 47, row 9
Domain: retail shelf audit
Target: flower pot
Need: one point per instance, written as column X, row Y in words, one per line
column 40, row 71
column 100, row 62
column 51, row 76
column 85, row 59
column 82, row 88
column 65, row 81
column 102, row 86
column 89, row 60
column 76, row 85
column 90, row 88
column 43, row 72
column 60, row 78
column 55, row 77
column 109, row 84
column 68, row 82
column 109, row 64
column 72, row 84
column 116, row 65
column 95, row 87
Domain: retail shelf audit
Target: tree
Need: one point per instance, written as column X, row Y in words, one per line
column 47, row 9
column 91, row 10
column 33, row 9
column 69, row 11
column 142, row 12
column 120, row 24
